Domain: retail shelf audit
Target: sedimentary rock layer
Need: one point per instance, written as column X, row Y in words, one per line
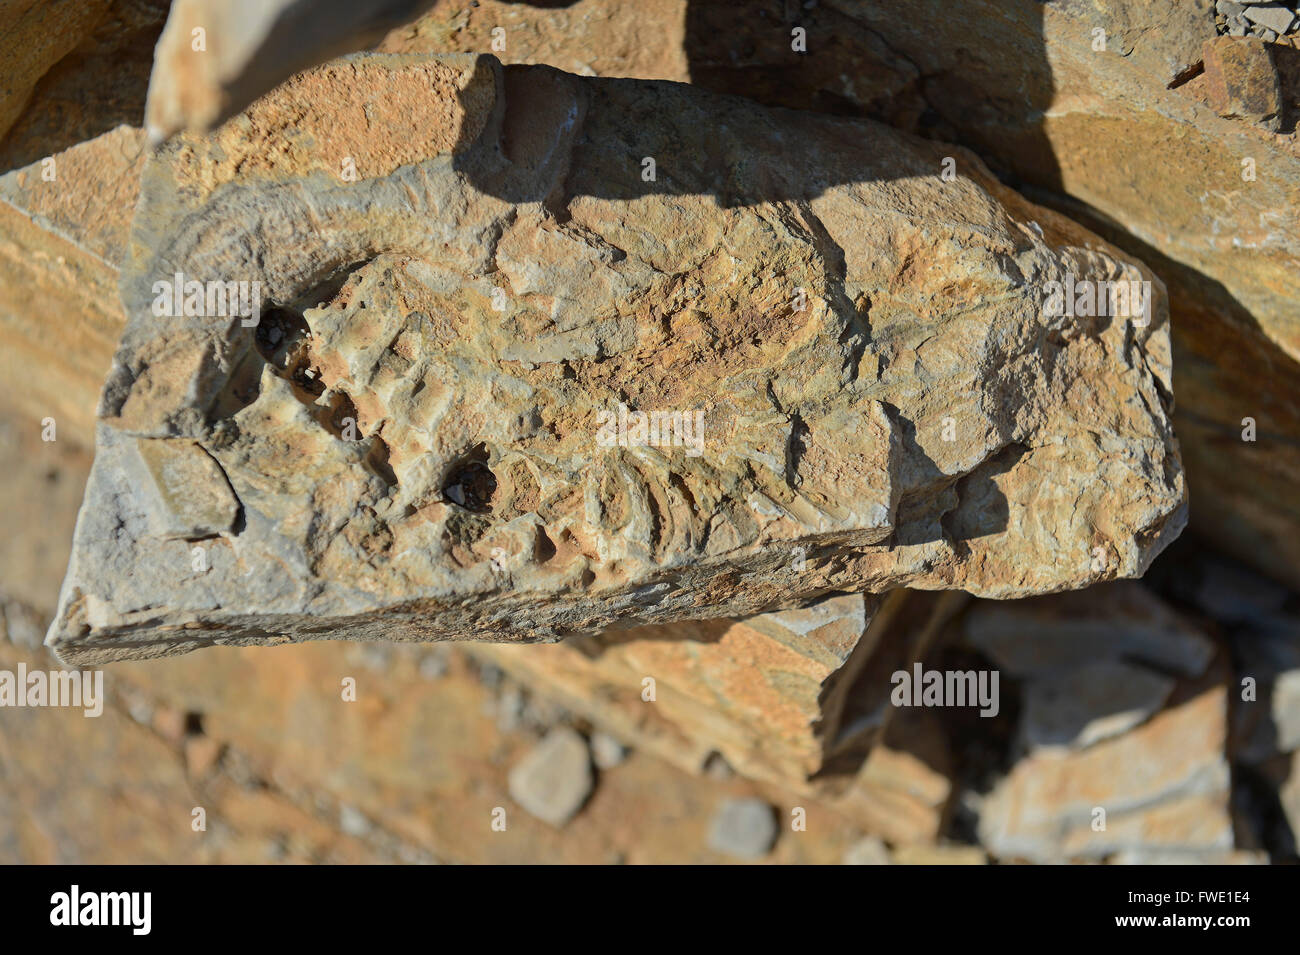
column 538, row 354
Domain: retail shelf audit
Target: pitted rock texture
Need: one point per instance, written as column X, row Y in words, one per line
column 868, row 388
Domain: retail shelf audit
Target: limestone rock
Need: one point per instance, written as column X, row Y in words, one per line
column 759, row 694
column 1075, row 99
column 743, row 829
column 216, row 56
column 554, row 780
column 1093, row 702
column 1241, row 82
column 1161, row 786
column 63, row 233
column 428, row 429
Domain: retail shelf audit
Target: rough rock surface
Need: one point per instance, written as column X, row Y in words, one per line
column 63, row 234
column 216, row 56
column 413, row 431
column 1028, row 86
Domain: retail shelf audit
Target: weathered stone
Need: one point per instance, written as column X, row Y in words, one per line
column 1273, row 16
column 904, row 788
column 606, row 751
column 192, row 499
column 756, row 693
column 743, row 829
column 246, row 47
column 1074, row 99
column 554, row 780
column 61, row 242
column 1065, row 632
column 867, row 851
column 406, row 382
column 1241, row 82
column 1096, row 701
column 1162, row 786
column 1268, row 715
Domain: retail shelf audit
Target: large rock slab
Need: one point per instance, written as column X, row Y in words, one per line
column 1097, row 106
column 425, row 428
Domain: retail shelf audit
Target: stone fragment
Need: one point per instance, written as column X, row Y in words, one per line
column 192, row 497
column 373, row 417
column 1228, row 8
column 247, row 47
column 869, row 850
column 606, row 751
column 1268, row 722
column 1069, row 631
column 904, row 789
column 554, row 779
column 759, row 694
column 1081, row 706
column 1162, row 786
column 1024, row 86
column 1275, row 17
column 743, row 829
column 1241, row 82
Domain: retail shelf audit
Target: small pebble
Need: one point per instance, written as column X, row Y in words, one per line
column 606, row 751
column 554, row 779
column 869, row 850
column 743, row 829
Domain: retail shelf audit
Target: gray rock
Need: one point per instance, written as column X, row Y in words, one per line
column 1228, row 8
column 1268, row 653
column 353, row 822
column 1042, row 635
column 1230, row 593
column 1275, row 18
column 553, row 781
column 743, row 829
column 867, row 851
column 1099, row 700
column 606, row 751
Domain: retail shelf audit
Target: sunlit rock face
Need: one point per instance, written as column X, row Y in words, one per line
column 540, row 354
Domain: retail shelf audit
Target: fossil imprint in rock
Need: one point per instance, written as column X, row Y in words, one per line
column 472, row 277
